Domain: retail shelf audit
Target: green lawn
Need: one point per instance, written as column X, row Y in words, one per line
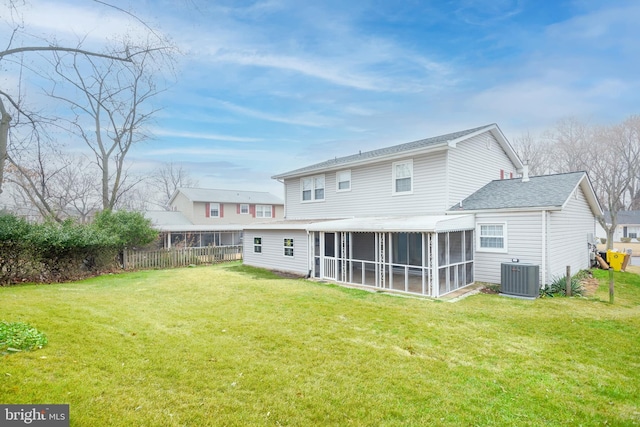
column 217, row 345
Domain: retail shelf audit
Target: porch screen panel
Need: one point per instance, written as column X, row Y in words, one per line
column 468, row 245
column 455, row 247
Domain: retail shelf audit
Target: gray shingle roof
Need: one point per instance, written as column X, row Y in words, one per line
column 538, row 192
column 625, row 217
column 162, row 218
column 382, row 152
column 229, row 196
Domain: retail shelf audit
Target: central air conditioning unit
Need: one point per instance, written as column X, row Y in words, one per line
column 520, row 280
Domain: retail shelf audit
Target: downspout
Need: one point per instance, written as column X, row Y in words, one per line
column 543, row 267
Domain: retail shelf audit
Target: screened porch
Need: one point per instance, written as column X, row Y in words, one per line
column 430, row 263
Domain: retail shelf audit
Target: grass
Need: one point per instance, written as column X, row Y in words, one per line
column 228, row 345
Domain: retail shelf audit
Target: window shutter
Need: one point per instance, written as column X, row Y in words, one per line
column 501, row 174
column 221, row 210
column 252, row 210
column 511, row 175
column 207, row 210
column 273, row 211
column 238, row 208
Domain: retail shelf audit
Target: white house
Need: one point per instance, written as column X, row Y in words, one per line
column 427, row 217
column 202, row 217
column 628, row 226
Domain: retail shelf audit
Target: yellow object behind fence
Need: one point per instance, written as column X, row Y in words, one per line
column 615, row 259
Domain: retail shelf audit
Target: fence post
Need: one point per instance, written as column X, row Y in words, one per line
column 568, row 284
column 610, row 285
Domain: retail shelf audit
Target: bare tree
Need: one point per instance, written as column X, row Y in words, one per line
column 18, row 46
column 534, row 152
column 168, row 178
column 111, row 107
column 609, row 154
column 571, row 142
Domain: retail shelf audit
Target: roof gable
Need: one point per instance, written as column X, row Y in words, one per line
column 539, row 192
column 423, row 145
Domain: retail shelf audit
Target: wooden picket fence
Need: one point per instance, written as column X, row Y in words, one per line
column 168, row 258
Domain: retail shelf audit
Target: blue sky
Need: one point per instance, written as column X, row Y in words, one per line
column 268, row 86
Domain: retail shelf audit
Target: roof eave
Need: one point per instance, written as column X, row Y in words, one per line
column 432, row 148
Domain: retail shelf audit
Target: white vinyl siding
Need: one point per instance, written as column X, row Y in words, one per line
column 471, row 165
column 271, row 256
column 523, row 240
column 372, row 190
column 343, row 181
column 402, row 173
column 568, row 237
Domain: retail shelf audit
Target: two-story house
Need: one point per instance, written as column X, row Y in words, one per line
column 202, row 217
column 427, row 217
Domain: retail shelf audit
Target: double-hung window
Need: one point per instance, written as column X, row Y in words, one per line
column 492, row 237
column 288, row 247
column 403, row 177
column 263, row 211
column 343, row 181
column 244, row 208
column 257, row 245
column 312, row 188
column 214, row 210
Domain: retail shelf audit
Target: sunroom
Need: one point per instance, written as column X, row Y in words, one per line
column 425, row 255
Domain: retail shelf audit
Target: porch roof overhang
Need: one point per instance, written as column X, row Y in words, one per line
column 400, row 224
column 192, row 228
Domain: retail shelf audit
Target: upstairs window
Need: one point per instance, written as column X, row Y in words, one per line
column 343, row 181
column 214, row 210
column 244, row 208
column 263, row 211
column 403, row 177
column 312, row 188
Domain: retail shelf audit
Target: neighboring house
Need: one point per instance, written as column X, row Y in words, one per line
column 392, row 218
column 202, row 217
column 628, row 226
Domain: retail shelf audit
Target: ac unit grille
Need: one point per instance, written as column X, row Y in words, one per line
column 522, row 280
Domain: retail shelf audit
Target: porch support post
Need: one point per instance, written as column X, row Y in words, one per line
column 434, row 260
column 423, row 241
column 322, row 254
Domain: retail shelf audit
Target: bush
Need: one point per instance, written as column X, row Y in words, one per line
column 625, row 239
column 128, row 229
column 18, row 336
column 603, row 240
column 558, row 286
column 53, row 252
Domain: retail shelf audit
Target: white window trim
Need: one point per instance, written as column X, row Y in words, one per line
column 338, row 189
column 211, row 205
column 505, row 236
column 262, row 211
column 393, row 178
column 285, row 247
column 248, row 210
column 313, row 189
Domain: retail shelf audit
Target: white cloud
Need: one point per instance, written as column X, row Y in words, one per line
column 202, row 136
